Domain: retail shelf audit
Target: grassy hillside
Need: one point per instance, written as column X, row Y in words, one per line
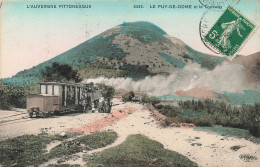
column 206, row 61
column 174, row 61
column 90, row 50
column 97, row 69
column 249, row 97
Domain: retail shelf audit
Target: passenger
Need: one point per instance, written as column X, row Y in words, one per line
column 89, row 106
column 101, row 105
column 109, row 105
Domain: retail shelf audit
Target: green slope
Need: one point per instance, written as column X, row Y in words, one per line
column 206, row 61
column 174, row 61
column 250, row 97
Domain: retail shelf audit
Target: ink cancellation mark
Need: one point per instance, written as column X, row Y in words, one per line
column 217, row 5
column 230, row 32
column 204, row 27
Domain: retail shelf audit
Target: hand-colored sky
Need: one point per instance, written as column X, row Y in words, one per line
column 30, row 36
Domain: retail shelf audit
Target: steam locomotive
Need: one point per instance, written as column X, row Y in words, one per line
column 57, row 97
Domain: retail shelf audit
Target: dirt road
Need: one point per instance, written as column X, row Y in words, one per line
column 204, row 148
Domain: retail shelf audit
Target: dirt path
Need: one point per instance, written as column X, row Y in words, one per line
column 104, row 122
column 13, row 124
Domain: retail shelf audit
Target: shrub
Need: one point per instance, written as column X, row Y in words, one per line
column 235, row 148
column 209, row 112
column 128, row 96
column 12, row 97
column 107, row 91
column 15, row 96
column 160, row 106
column 150, row 100
column 247, row 157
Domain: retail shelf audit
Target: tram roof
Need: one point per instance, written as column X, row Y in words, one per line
column 62, row 83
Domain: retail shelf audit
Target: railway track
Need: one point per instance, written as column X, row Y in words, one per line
column 11, row 121
column 12, row 115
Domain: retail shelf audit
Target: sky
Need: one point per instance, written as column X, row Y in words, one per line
column 30, row 36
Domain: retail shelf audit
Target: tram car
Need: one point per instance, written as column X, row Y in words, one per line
column 57, row 97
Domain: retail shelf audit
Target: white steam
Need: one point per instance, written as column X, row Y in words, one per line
column 227, row 77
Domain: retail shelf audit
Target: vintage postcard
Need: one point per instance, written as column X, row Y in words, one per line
column 127, row 83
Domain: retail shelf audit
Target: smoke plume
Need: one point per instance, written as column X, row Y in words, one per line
column 226, row 77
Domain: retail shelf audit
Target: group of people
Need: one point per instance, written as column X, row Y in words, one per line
column 90, row 105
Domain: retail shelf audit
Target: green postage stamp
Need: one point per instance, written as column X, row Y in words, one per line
column 230, row 32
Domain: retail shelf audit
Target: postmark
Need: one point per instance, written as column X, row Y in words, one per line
column 206, row 22
column 230, row 32
column 217, row 5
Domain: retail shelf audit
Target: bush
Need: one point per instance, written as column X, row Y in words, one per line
column 160, row 106
column 12, row 97
column 107, row 91
column 128, row 96
column 247, row 157
column 150, row 100
column 15, row 96
column 209, row 112
column 235, row 148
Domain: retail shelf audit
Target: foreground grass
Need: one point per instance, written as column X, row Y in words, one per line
column 92, row 141
column 138, row 151
column 98, row 139
column 24, row 150
column 31, row 150
column 227, row 131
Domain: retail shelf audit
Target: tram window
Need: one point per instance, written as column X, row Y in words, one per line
column 56, row 90
column 43, row 89
column 49, row 91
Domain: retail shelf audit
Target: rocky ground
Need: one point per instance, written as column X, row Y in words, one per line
column 204, row 148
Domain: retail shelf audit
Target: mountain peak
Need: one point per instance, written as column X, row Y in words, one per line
column 143, row 25
column 143, row 31
column 141, row 46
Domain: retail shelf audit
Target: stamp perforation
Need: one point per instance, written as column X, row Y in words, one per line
column 231, row 55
